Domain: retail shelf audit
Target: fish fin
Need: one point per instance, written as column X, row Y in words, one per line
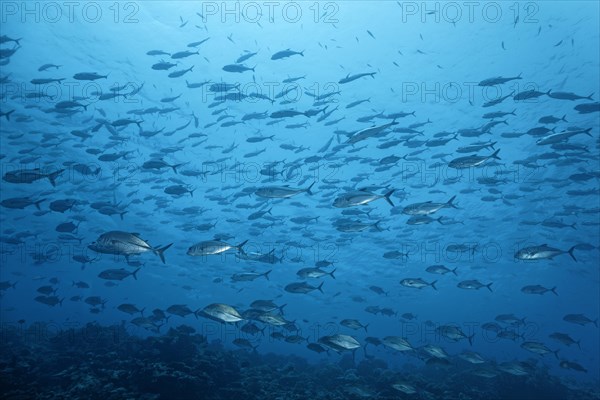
column 590, row 97
column 454, row 271
column 471, row 339
column 489, row 286
column 495, row 155
column 239, row 246
column 134, row 273
column 320, row 287
column 160, row 252
column 37, row 203
column 450, row 202
column 570, row 251
column 553, row 290
column 556, row 354
column 433, row 284
column 387, row 197
column 366, row 326
column 266, row 274
column 310, row 187
column 331, row 273
column 54, row 175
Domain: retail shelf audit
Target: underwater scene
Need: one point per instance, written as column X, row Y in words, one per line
column 299, row 200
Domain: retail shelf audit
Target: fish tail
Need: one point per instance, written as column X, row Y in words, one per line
column 579, row 344
column 439, row 220
column 281, row 308
column 595, row 322
column 331, row 273
column 471, row 339
column 198, row 311
column 489, row 286
column 54, row 175
column 553, row 290
column 310, row 187
column 433, row 284
column 121, row 214
column 564, row 118
column 134, row 273
column 495, row 155
column 320, row 289
column 570, row 251
column 556, row 353
column 7, row 115
column 587, row 131
column 160, row 252
column 590, row 97
column 61, row 300
column 142, row 311
column 239, row 246
column 454, row 271
column 366, row 326
column 387, row 197
column 450, row 202
column 37, row 203
column 266, row 274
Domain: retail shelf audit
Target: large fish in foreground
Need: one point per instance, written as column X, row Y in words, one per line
column 126, row 244
column 542, row 252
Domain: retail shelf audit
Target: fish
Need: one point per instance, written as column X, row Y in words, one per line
column 361, row 197
column 184, row 54
column 542, row 252
column 367, row 133
column 31, row 175
column 353, row 324
column 588, row 108
column 529, row 94
column 130, row 309
column 474, row 284
column 349, row 78
column 580, row 319
column 89, row 76
column 538, row 348
column 472, row 161
column 569, row 96
column 314, row 273
column 282, row 192
column 249, row 276
column 220, row 312
column 397, row 343
column 572, row 365
column 339, row 342
column 213, row 247
column 177, row 74
column 498, row 80
column 237, row 68
column 453, row 333
column 126, row 244
column 286, row 53
column 537, row 289
column 565, row 339
column 21, row 203
column 562, row 136
column 302, row 288
column 417, row 283
column 117, row 274
column 428, row 207
column 440, row 269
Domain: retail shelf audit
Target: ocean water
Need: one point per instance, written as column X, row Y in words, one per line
column 299, row 200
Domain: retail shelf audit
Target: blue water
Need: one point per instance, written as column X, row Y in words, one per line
column 427, row 66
